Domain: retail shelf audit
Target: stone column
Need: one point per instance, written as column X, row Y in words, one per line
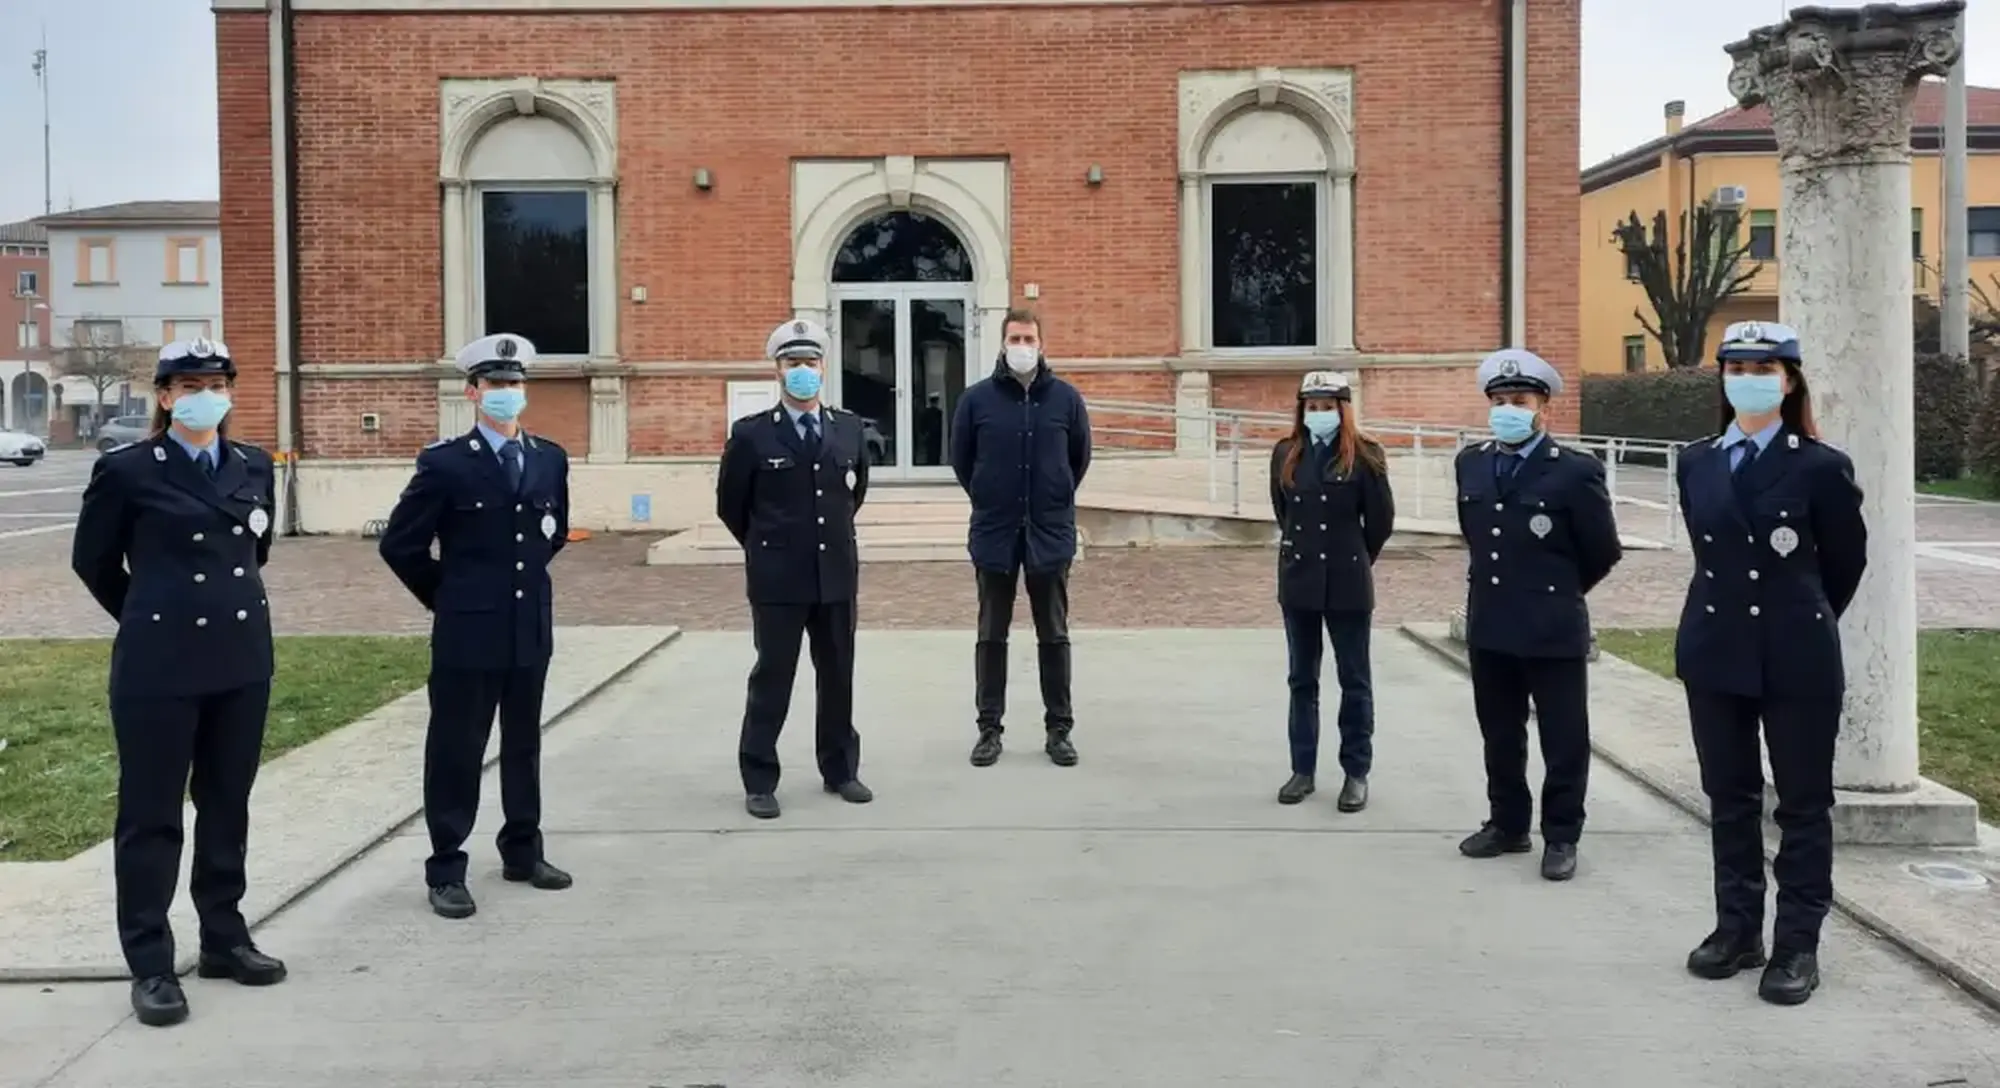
column 607, row 420
column 458, row 265
column 1194, row 422
column 454, row 412
column 1840, row 84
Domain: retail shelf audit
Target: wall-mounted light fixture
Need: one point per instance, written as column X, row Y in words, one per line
column 703, row 180
column 1094, row 175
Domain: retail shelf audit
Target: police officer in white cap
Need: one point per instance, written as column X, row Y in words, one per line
column 791, row 480
column 170, row 539
column 1774, row 516
column 495, row 501
column 1539, row 528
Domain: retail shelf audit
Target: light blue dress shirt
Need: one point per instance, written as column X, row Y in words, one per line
column 210, row 453
column 1733, row 439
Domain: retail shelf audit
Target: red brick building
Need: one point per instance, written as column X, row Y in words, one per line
column 25, row 374
column 1203, row 198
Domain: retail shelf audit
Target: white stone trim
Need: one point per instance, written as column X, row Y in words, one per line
column 467, row 108
column 559, row 6
column 1209, row 100
column 608, row 420
column 747, row 368
column 830, row 197
column 454, row 412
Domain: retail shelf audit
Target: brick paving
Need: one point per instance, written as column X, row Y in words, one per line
column 331, row 585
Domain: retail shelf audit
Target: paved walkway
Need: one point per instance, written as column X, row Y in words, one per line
column 1150, row 917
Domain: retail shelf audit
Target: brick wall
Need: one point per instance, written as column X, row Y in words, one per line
column 696, row 89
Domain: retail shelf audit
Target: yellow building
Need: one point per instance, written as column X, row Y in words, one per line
column 1730, row 161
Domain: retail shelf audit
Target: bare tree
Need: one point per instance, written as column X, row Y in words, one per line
column 1687, row 285
column 103, row 354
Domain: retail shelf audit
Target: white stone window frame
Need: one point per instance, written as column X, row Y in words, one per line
column 469, row 110
column 1210, row 101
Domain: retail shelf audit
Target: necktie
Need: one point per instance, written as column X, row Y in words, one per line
column 1740, row 476
column 809, row 423
column 510, row 456
column 207, row 459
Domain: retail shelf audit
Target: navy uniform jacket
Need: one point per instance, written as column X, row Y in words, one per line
column 1770, row 581
column 1538, row 541
column 488, row 587
column 794, row 515
column 175, row 557
column 1332, row 527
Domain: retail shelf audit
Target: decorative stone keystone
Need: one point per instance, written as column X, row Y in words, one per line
column 1840, row 84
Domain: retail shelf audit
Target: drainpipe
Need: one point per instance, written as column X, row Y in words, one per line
column 284, row 252
column 1514, row 172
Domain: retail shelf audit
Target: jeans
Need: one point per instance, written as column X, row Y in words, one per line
column 1348, row 631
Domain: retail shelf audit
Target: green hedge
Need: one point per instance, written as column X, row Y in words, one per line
column 1680, row 405
column 1986, row 436
column 1947, row 398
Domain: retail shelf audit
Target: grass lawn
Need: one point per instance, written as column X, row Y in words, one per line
column 1968, row 487
column 1958, row 702
column 59, row 769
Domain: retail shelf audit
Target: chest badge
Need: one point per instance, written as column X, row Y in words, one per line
column 776, row 462
column 1540, row 525
column 548, row 526
column 851, row 479
column 259, row 521
column 1784, row 540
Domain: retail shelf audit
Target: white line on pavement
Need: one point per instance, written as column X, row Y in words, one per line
column 40, row 491
column 12, row 533
column 1936, row 551
column 71, row 515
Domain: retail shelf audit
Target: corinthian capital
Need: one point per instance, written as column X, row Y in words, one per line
column 1841, row 82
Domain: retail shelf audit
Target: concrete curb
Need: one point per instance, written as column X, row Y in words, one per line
column 65, row 907
column 1915, row 925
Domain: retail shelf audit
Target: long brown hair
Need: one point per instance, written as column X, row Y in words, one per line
column 1351, row 445
column 163, row 417
column 1795, row 410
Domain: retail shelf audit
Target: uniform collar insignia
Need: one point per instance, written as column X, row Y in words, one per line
column 1791, row 441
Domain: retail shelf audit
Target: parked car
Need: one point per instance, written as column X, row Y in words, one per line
column 22, row 449
column 120, row 430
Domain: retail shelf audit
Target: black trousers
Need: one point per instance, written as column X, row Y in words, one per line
column 206, row 748
column 777, row 630
column 1348, row 631
column 1502, row 687
column 1048, row 605
column 463, row 704
column 1801, row 735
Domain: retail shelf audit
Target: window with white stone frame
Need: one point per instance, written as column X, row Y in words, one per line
column 1267, row 256
column 528, row 171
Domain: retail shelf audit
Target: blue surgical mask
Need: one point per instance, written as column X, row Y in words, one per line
column 1511, row 423
column 503, row 405
column 201, row 411
column 802, row 382
column 1323, row 425
column 1754, row 394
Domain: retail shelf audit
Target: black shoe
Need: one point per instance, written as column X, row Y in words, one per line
column 1790, row 979
column 852, row 791
column 1061, row 752
column 540, row 875
column 158, row 1001
column 1558, row 860
column 1722, row 954
column 452, row 900
column 1353, row 794
column 244, row 964
column 764, row 806
column 1491, row 842
column 1296, row 788
column 987, row 751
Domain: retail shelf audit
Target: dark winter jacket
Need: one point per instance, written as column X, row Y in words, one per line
column 1020, row 451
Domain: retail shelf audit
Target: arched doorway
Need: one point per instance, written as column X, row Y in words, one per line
column 28, row 403
column 902, row 296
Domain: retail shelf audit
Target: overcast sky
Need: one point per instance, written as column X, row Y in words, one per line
column 132, row 88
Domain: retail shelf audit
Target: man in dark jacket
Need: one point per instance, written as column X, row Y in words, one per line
column 1020, row 444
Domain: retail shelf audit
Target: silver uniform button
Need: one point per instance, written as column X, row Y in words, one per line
column 1499, row 506
column 1493, row 555
column 156, row 617
column 197, row 538
column 1322, row 555
column 236, row 529
column 518, row 508
column 242, row 615
column 817, row 492
column 822, row 547
column 1753, row 575
column 518, row 538
column 201, row 622
column 201, row 577
column 518, row 565
column 1496, row 579
column 517, row 594
column 1496, row 530
column 822, row 521
column 479, row 504
column 1709, row 607
column 238, row 572
column 1322, row 526
column 1708, row 574
column 1753, row 610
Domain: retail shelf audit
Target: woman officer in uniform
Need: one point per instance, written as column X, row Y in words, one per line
column 1330, row 492
column 1774, row 517
column 171, row 537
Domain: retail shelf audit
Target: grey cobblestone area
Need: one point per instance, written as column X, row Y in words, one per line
column 330, row 585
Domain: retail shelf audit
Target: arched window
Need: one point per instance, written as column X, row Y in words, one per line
column 1267, row 244
column 528, row 168
column 902, row 247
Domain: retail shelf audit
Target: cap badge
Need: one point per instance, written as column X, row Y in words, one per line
column 507, row 349
column 1509, row 368
column 1753, row 333
column 200, row 348
column 798, row 328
